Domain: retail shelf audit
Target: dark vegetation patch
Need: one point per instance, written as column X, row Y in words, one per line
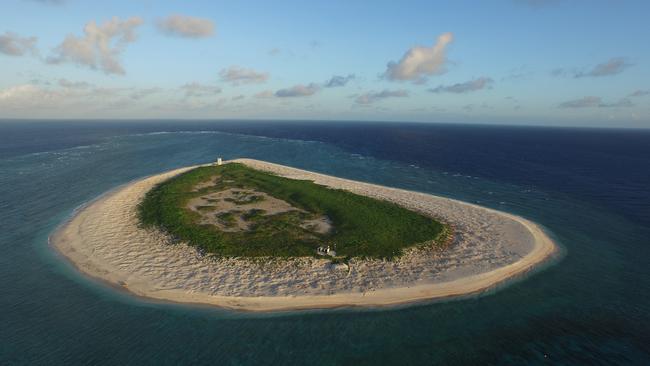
column 227, row 219
column 253, row 215
column 205, row 208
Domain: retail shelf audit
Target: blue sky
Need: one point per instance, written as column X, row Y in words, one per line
column 548, row 62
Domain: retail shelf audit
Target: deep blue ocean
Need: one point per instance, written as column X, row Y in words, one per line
column 589, row 187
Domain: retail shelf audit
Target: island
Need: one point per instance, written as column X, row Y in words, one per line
column 252, row 235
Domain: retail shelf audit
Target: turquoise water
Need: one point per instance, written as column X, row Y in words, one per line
column 589, row 307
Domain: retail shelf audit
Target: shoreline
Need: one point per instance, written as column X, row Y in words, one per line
column 102, row 240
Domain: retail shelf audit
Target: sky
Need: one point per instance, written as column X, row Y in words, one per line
column 529, row 62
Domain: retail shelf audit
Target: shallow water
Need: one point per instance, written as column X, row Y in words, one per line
column 590, row 307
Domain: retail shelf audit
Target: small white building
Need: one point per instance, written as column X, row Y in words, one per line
column 326, row 251
column 219, row 161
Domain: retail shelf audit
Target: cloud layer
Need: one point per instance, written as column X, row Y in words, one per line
column 186, row 26
column 100, row 46
column 28, row 96
column 265, row 94
column 468, row 86
column 419, row 62
column 199, row 90
column 65, row 83
column 14, row 45
column 613, row 66
column 371, row 97
column 595, row 102
column 337, row 81
column 299, row 90
column 640, row 93
column 239, row 75
column 75, row 97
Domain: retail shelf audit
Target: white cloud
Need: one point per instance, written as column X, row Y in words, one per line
column 338, row 80
column 105, row 93
column 299, row 90
column 613, row 66
column 582, row 102
column 65, row 83
column 28, row 97
column 640, row 93
column 419, row 62
column 595, row 102
column 371, row 97
column 138, row 94
column 186, row 26
column 468, row 86
column 622, row 103
column 473, row 107
column 265, row 94
column 199, row 90
column 100, row 46
column 14, row 45
column 180, row 107
column 239, row 75
column 30, row 94
column 76, row 97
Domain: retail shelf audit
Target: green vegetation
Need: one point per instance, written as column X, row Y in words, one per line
column 227, row 218
column 361, row 226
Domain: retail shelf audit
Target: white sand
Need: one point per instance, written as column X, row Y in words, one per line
column 104, row 241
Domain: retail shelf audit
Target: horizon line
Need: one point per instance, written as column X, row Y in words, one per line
column 467, row 124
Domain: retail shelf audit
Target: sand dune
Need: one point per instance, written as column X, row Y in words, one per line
column 104, row 241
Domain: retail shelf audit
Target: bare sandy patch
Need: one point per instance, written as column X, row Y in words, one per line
column 229, row 210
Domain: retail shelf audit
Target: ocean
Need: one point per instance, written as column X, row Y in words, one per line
column 590, row 188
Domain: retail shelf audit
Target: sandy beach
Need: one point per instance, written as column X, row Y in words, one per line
column 103, row 240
